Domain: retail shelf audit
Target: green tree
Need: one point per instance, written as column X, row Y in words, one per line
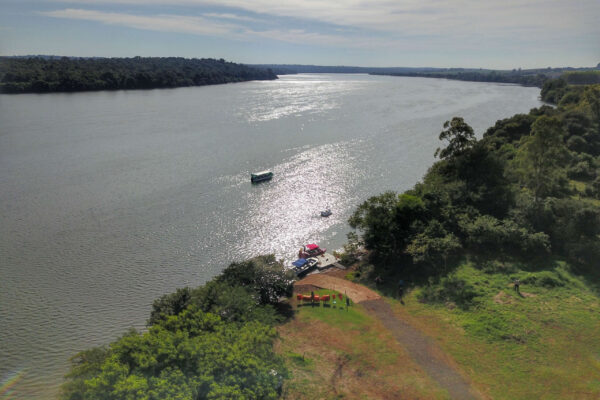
column 460, row 136
column 541, row 157
column 170, row 304
column 387, row 223
column 434, row 246
column 264, row 275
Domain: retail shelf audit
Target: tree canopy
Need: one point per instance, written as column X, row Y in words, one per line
column 521, row 193
column 211, row 342
column 460, row 136
column 42, row 75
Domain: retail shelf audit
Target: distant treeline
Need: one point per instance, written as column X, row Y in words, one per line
column 582, row 77
column 518, row 77
column 41, row 75
column 526, row 77
column 284, row 69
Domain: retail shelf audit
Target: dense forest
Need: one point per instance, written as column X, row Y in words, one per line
column 43, row 74
column 525, row 194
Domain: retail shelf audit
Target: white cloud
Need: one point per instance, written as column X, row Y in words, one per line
column 166, row 23
column 390, row 24
column 205, row 26
column 417, row 16
column 234, row 17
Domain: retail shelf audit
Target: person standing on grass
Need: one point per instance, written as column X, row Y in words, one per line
column 400, row 288
column 517, row 283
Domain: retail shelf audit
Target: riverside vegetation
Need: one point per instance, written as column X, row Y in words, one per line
column 44, row 75
column 521, row 203
column 211, row 342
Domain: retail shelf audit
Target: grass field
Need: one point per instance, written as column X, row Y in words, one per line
column 334, row 353
column 543, row 343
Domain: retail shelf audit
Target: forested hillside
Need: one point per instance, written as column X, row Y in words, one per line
column 42, row 75
column 528, row 192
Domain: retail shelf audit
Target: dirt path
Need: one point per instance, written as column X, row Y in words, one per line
column 358, row 293
column 420, row 347
column 423, row 350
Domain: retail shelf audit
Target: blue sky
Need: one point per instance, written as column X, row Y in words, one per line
column 459, row 33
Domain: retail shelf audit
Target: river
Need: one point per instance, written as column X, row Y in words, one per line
column 110, row 199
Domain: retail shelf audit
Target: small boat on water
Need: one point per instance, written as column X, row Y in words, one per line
column 302, row 266
column 310, row 250
column 261, row 176
column 326, row 213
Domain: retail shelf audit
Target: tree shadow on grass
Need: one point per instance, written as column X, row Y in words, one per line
column 285, row 310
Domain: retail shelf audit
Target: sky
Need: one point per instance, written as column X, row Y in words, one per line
column 501, row 34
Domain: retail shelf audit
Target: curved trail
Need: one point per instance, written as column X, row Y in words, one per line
column 421, row 348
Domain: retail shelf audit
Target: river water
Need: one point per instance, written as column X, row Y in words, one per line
column 110, row 199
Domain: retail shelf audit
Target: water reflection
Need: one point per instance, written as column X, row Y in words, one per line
column 299, row 96
column 287, row 208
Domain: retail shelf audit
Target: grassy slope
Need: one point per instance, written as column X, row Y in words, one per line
column 338, row 354
column 543, row 345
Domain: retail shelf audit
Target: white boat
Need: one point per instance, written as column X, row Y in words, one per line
column 261, row 176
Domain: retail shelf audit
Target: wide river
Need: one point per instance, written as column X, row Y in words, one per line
column 110, row 199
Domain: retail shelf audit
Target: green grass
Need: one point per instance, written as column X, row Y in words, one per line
column 334, row 353
column 543, row 345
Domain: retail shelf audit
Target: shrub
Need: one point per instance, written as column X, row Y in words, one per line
column 548, row 279
column 450, row 289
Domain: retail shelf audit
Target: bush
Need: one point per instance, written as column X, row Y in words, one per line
column 450, row 289
column 548, row 279
column 487, row 234
column 496, row 266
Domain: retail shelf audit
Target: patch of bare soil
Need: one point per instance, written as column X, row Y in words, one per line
column 357, row 293
column 503, row 298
